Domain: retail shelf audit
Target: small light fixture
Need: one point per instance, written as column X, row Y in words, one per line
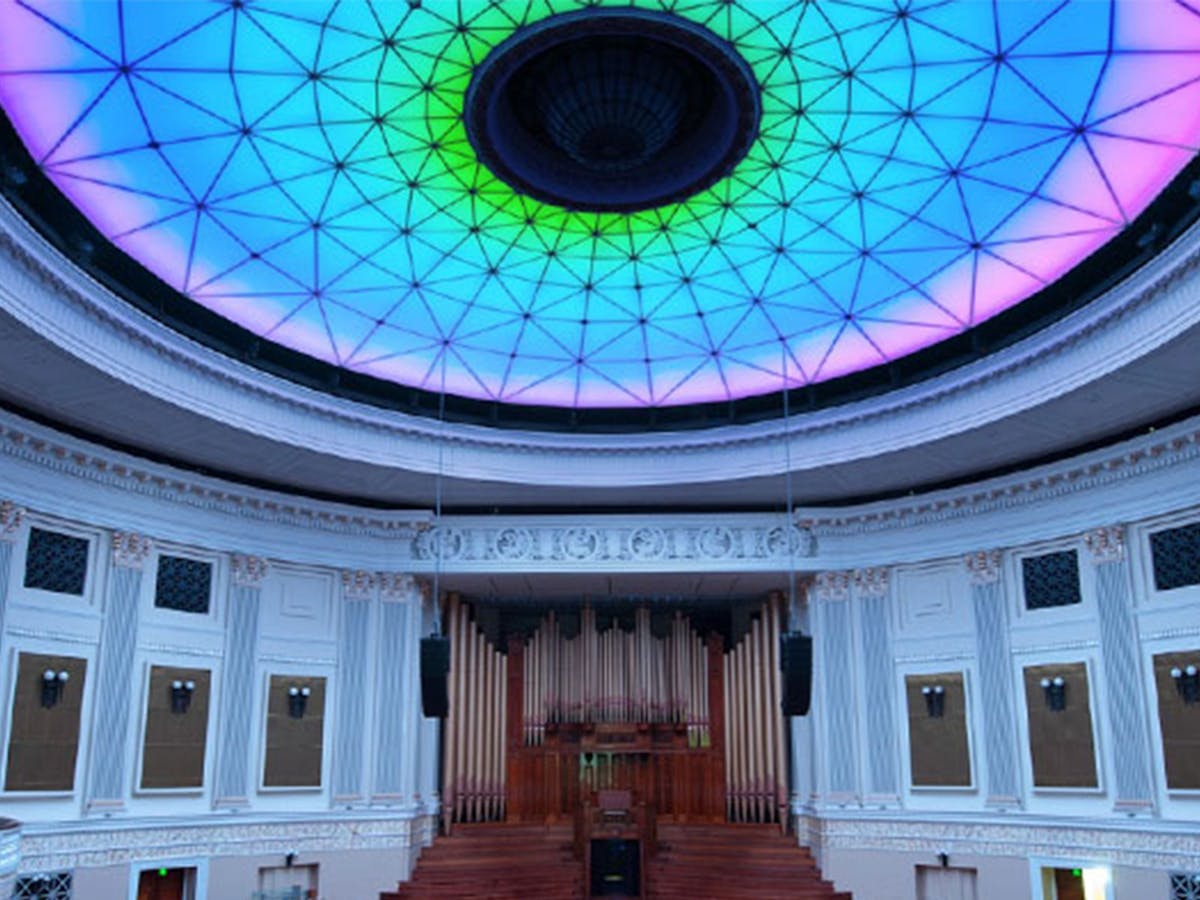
column 298, row 700
column 1055, row 690
column 935, row 700
column 52, row 687
column 289, row 858
column 181, row 696
column 944, row 858
column 1187, row 683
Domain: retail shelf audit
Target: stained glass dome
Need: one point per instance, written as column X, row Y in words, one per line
column 305, row 171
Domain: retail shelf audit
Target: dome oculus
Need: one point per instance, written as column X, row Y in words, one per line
column 612, row 109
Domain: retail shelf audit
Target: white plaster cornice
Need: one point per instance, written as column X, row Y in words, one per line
column 1106, row 544
column 46, row 292
column 130, row 550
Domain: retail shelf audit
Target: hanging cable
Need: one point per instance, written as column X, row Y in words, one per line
column 439, row 538
column 787, row 485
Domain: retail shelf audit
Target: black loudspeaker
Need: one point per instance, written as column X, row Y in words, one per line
column 795, row 661
column 435, row 666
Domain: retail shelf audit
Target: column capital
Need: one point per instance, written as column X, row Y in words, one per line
column 130, row 549
column 832, row 586
column 396, row 586
column 11, row 516
column 872, row 581
column 358, row 584
column 1107, row 544
column 248, row 571
column 983, row 566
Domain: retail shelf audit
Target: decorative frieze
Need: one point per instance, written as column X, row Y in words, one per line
column 618, row 542
column 358, row 584
column 1106, row 544
column 983, row 566
column 248, row 571
column 11, row 517
column 130, row 550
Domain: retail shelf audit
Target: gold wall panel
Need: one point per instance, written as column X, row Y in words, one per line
column 1061, row 743
column 294, row 746
column 173, row 744
column 43, row 743
column 939, row 748
column 1180, row 723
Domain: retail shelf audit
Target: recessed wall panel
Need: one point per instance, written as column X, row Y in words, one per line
column 173, row 746
column 939, row 748
column 1180, row 722
column 1061, row 743
column 44, row 741
column 294, row 743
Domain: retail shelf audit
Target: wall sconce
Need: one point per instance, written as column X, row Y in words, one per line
column 52, row 687
column 181, row 696
column 1187, row 683
column 935, row 700
column 1055, row 690
column 298, row 700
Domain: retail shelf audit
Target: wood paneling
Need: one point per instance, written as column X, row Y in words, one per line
column 1061, row 743
column 1180, row 723
column 173, row 744
column 294, row 746
column 43, row 743
column 939, row 748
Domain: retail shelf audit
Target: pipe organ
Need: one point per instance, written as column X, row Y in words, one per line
column 679, row 706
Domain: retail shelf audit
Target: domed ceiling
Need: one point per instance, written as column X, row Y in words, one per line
column 602, row 205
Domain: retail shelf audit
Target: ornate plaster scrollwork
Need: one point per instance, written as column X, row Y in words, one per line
column 871, row 582
column 10, row 520
column 449, row 543
column 248, row 571
column 514, row 543
column 648, row 542
column 130, row 549
column 832, row 586
column 396, row 586
column 1106, row 544
column 357, row 584
column 580, row 543
column 983, row 566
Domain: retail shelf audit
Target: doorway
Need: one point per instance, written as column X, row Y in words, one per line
column 946, row 883
column 167, row 884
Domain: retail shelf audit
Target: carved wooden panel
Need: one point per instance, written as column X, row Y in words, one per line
column 44, row 742
column 1180, row 722
column 1061, row 743
column 294, row 743
column 939, row 747
column 173, row 744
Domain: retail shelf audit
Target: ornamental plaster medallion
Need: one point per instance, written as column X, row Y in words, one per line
column 441, row 542
column 129, row 549
column 248, row 571
column 983, row 566
column 514, row 543
column 715, row 542
column 11, row 516
column 648, row 542
column 1106, row 544
column 357, row 584
column 580, row 543
column 802, row 541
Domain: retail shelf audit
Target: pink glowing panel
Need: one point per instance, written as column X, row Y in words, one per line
column 303, row 170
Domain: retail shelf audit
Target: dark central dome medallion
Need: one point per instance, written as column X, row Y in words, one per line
column 612, row 110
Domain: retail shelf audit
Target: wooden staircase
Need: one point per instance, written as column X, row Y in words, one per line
column 496, row 862
column 734, row 862
column 523, row 862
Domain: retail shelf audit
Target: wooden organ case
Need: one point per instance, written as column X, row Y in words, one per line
column 678, row 706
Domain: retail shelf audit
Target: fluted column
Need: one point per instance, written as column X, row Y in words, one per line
column 877, row 693
column 10, row 855
column 398, row 690
column 354, row 657
column 10, row 524
column 835, row 655
column 238, row 681
column 428, row 749
column 1127, row 712
column 804, row 782
column 995, row 679
column 108, row 774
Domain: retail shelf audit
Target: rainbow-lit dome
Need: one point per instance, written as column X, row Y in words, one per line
column 305, row 170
